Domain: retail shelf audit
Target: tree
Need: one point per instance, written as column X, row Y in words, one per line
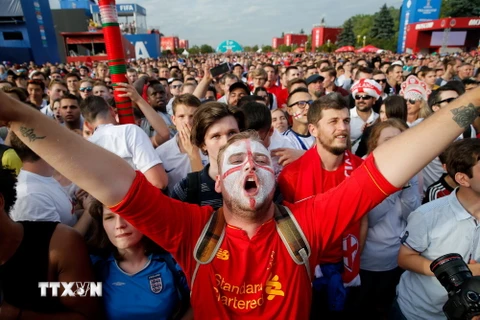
column 255, row 48
column 383, row 25
column 179, row 50
column 284, row 48
column 205, row 48
column 247, row 49
column 302, row 31
column 194, row 50
column 267, row 48
column 283, row 34
column 460, row 8
column 347, row 37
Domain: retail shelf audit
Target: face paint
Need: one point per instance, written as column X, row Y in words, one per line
column 248, row 177
column 297, row 115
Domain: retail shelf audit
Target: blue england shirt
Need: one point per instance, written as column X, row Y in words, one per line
column 148, row 294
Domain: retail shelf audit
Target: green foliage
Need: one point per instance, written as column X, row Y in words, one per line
column 247, row 49
column 179, row 51
column 327, row 47
column 267, row 48
column 205, row 48
column 460, row 8
column 284, row 48
column 363, row 24
column 347, row 36
column 255, row 48
column 194, row 50
column 383, row 24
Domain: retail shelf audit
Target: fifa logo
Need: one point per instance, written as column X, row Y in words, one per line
column 71, row 289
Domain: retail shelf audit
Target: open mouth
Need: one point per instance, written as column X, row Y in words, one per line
column 250, row 185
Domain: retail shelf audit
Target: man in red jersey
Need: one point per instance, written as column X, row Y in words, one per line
column 252, row 274
column 320, row 169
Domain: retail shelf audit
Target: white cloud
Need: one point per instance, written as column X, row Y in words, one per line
column 249, row 22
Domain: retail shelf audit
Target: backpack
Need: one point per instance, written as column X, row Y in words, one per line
column 180, row 284
column 193, row 187
column 287, row 227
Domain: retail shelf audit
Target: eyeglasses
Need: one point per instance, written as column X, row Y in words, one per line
column 367, row 97
column 88, row 89
column 177, row 86
column 381, row 80
column 301, row 104
column 448, row 100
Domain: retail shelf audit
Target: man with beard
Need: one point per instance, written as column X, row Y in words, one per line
column 323, row 167
column 365, row 92
column 157, row 98
column 315, row 85
column 228, row 285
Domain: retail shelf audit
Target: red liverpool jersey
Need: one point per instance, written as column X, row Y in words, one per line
column 252, row 278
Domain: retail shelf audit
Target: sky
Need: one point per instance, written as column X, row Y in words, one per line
column 249, row 22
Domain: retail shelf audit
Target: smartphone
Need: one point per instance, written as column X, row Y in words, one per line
column 220, row 69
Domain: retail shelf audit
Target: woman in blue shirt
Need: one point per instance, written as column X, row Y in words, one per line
column 139, row 278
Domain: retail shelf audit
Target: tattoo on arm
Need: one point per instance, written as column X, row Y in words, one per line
column 465, row 115
column 30, row 134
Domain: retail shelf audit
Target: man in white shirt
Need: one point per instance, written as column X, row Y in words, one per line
column 178, row 155
column 365, row 92
column 127, row 141
column 39, row 196
column 446, row 225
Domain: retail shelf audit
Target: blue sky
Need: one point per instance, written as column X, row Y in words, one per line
column 249, row 22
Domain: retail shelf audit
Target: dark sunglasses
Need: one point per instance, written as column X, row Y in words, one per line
column 367, row 97
column 448, row 100
column 301, row 104
column 88, row 89
column 381, row 80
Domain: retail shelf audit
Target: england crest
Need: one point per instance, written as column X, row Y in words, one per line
column 156, row 284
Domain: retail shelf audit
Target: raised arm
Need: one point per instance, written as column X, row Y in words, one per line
column 155, row 120
column 402, row 157
column 104, row 175
column 201, row 89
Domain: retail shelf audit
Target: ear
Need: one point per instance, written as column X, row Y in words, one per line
column 270, row 131
column 435, row 108
column 173, row 120
column 313, row 130
column 462, row 179
column 89, row 126
column 290, row 111
column 218, row 184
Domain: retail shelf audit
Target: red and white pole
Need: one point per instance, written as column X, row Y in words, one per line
column 116, row 57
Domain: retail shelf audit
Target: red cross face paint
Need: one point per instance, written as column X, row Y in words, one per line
column 248, row 176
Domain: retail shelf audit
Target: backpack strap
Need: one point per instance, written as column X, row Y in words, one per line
column 180, row 283
column 209, row 241
column 293, row 237
column 193, row 187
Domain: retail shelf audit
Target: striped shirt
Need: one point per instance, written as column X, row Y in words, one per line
column 437, row 190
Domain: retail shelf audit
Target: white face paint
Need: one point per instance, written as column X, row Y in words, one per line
column 247, row 174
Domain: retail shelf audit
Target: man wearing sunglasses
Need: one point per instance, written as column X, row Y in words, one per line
column 365, row 92
column 86, row 89
column 437, row 100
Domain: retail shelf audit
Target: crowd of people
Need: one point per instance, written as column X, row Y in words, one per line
column 294, row 186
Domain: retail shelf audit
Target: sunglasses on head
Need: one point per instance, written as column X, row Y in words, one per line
column 88, row 89
column 302, row 103
column 366, row 97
